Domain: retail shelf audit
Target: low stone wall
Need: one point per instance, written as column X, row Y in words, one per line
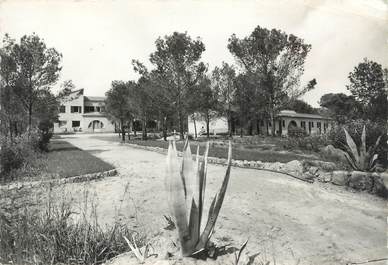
column 75, row 179
column 309, row 171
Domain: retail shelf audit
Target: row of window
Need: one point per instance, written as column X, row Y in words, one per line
column 78, row 109
column 73, row 123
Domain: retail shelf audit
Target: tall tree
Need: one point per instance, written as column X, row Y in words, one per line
column 177, row 62
column 223, row 79
column 368, row 86
column 36, row 69
column 205, row 101
column 118, row 105
column 340, row 106
column 277, row 61
column 300, row 106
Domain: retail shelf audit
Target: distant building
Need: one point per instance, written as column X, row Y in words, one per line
column 312, row 124
column 79, row 113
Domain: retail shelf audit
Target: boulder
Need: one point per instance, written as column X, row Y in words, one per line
column 294, row 166
column 340, row 178
column 331, row 151
column 361, row 181
column 313, row 170
column 324, row 177
column 379, row 188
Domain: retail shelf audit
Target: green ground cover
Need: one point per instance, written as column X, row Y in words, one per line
column 66, row 160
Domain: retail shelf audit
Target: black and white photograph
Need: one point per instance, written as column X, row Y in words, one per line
column 193, row 132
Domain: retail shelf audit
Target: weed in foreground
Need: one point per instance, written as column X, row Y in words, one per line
column 32, row 233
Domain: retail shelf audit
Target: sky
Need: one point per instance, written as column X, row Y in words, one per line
column 98, row 39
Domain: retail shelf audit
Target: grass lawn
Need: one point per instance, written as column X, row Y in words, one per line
column 66, row 160
column 217, row 150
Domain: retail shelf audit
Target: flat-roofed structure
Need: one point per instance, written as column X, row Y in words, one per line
column 79, row 113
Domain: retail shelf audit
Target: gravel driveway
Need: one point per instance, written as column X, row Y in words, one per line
column 286, row 220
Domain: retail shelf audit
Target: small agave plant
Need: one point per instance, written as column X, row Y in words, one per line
column 360, row 158
column 186, row 185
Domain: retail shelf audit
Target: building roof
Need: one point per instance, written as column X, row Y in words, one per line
column 94, row 98
column 293, row 114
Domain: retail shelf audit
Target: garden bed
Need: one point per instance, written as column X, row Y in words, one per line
column 219, row 149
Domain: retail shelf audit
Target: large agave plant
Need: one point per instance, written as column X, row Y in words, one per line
column 186, row 185
column 360, row 158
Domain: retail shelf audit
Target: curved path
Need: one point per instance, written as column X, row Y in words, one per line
column 286, row 220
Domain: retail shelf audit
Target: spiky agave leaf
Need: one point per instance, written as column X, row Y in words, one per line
column 215, row 206
column 177, row 199
column 363, row 155
column 352, row 149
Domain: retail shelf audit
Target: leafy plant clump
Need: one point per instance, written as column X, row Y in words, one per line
column 361, row 158
column 31, row 233
column 186, row 186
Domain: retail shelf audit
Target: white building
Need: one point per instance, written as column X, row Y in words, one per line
column 312, row 124
column 79, row 113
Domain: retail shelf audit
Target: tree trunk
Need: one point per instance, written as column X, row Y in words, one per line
column 144, row 130
column 181, row 130
column 122, row 132
column 129, row 130
column 207, row 125
column 229, row 121
column 165, row 128
column 29, row 117
column 195, row 127
column 273, row 124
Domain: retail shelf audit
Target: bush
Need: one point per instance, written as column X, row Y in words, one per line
column 53, row 233
column 21, row 151
column 309, row 143
column 354, row 128
column 296, row 132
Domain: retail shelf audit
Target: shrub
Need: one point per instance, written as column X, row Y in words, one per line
column 51, row 233
column 355, row 128
column 20, row 151
column 309, row 143
column 296, row 132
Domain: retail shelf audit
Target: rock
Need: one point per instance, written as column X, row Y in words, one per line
column 294, row 166
column 378, row 186
column 313, row 170
column 331, row 151
column 340, row 178
column 277, row 166
column 252, row 164
column 246, row 163
column 325, row 177
column 360, row 181
column 259, row 164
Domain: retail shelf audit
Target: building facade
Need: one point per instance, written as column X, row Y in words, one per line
column 79, row 113
column 312, row 124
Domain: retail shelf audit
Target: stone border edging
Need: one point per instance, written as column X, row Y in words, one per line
column 374, row 183
column 293, row 168
column 75, row 179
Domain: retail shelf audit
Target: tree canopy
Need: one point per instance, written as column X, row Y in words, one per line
column 367, row 83
column 177, row 62
column 276, row 61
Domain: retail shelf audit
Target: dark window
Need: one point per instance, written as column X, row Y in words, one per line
column 98, row 109
column 62, row 109
column 89, row 109
column 102, row 109
column 261, row 123
column 283, row 123
column 75, row 123
column 76, row 109
column 318, row 125
column 303, row 125
column 312, row 124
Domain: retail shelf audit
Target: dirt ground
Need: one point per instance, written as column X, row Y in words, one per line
column 286, row 220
